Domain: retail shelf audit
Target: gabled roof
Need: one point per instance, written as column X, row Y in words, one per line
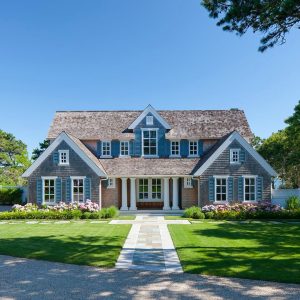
column 84, row 153
column 222, row 145
column 185, row 124
column 149, row 110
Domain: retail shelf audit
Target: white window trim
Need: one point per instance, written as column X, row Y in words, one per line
column 231, row 156
column 72, row 187
column 59, row 157
column 244, row 188
column 43, row 188
column 177, row 155
column 109, row 155
column 185, row 183
column 151, row 119
column 124, row 155
column 150, row 155
column 113, row 185
column 221, row 177
column 197, row 145
column 150, row 190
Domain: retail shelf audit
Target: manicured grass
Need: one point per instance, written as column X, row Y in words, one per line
column 82, row 243
column 175, row 218
column 258, row 250
column 129, row 217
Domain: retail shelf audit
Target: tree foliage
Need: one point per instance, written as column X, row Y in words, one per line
column 13, row 159
column 38, row 151
column 272, row 18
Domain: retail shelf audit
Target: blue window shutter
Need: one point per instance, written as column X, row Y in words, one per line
column 39, row 191
column 55, row 157
column 115, row 148
column 259, row 188
column 241, row 188
column 242, row 155
column 200, row 148
column 184, row 148
column 131, row 148
column 211, row 188
column 68, row 190
column 87, row 188
column 98, row 148
column 230, row 188
column 58, row 190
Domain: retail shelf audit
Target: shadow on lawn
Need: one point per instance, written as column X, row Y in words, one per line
column 80, row 249
column 255, row 251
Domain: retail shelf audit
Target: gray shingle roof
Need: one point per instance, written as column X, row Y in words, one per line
column 139, row 166
column 202, row 124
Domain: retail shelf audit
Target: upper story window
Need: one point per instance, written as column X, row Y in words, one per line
column 124, row 148
column 106, row 148
column 149, row 120
column 63, row 157
column 188, row 183
column 234, row 156
column 249, row 189
column 193, row 148
column 221, row 189
column 111, row 183
column 175, row 148
column 149, row 142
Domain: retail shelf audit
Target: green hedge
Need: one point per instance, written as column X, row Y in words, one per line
column 104, row 213
column 10, row 196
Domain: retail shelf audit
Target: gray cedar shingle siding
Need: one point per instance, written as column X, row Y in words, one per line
column 77, row 167
column 185, row 124
column 222, row 166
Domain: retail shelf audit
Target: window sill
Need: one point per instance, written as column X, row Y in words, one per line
column 111, row 187
column 250, row 201
column 105, row 156
column 188, row 187
column 150, row 156
column 49, row 203
column 235, row 163
column 193, row 156
column 174, row 156
column 124, row 156
column 64, row 164
column 221, row 202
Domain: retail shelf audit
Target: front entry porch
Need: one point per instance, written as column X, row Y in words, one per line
column 159, row 193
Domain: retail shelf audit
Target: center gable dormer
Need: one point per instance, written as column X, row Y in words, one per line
column 148, row 118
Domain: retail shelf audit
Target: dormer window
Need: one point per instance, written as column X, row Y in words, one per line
column 193, row 148
column 63, row 157
column 149, row 142
column 149, row 120
column 124, row 148
column 106, row 148
column 235, row 156
column 175, row 148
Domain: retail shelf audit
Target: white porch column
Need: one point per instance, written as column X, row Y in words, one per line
column 124, row 194
column 175, row 193
column 132, row 194
column 166, row 194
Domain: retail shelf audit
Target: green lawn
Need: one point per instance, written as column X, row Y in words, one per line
column 175, row 218
column 257, row 250
column 75, row 243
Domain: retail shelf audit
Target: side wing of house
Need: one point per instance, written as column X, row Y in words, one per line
column 66, row 171
column 234, row 172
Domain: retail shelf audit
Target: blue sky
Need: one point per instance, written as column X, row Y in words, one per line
column 115, row 54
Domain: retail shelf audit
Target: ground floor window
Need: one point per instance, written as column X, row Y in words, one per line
column 221, row 189
column 249, row 189
column 78, row 190
column 49, row 190
column 150, row 189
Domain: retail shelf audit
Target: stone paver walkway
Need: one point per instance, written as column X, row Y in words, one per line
column 149, row 245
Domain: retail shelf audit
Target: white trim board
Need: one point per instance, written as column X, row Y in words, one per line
column 147, row 110
column 63, row 137
column 236, row 136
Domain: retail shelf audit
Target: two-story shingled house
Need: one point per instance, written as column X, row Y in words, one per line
column 150, row 159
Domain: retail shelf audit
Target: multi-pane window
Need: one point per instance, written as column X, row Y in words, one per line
column 149, row 142
column 106, row 148
column 49, row 190
column 63, row 157
column 221, row 189
column 143, row 189
column 156, row 189
column 188, row 183
column 234, row 156
column 78, row 190
column 175, row 148
column 149, row 120
column 124, row 148
column 111, row 183
column 193, row 148
column 249, row 189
